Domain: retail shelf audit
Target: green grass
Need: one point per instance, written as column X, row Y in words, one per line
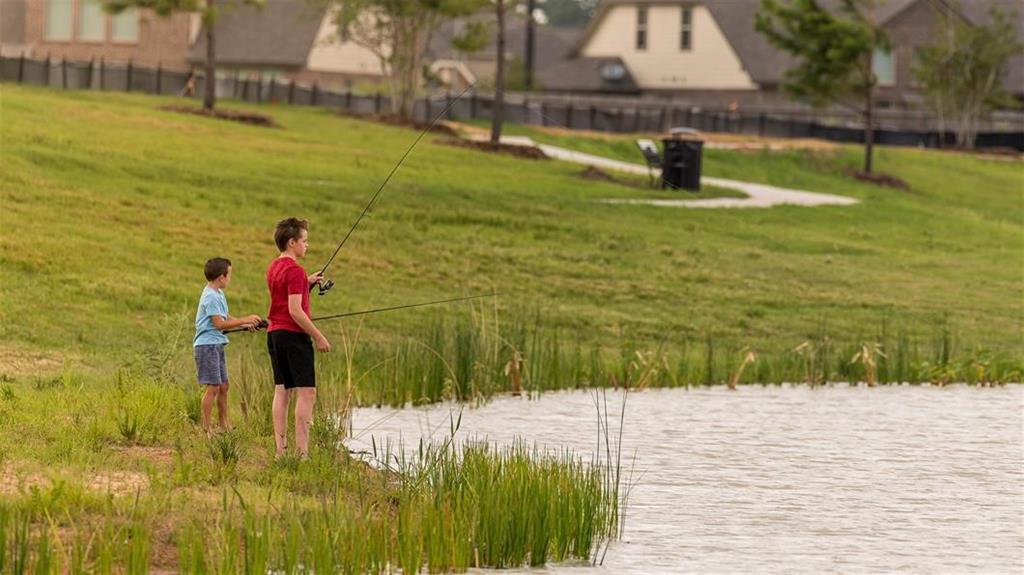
column 111, row 206
column 78, row 495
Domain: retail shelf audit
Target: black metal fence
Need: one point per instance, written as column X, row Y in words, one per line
column 605, row 116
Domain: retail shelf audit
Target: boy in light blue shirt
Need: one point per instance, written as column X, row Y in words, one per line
column 212, row 320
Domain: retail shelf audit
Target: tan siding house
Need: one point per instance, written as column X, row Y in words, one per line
column 707, row 51
column 667, row 46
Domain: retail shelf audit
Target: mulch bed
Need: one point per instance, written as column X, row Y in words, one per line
column 880, row 180
column 243, row 117
column 527, row 152
column 441, row 127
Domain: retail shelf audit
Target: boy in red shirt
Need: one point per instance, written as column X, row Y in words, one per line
column 291, row 335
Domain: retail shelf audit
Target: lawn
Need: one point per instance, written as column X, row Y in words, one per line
column 110, row 207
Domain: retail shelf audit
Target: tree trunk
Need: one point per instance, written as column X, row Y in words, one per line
column 497, row 116
column 414, row 74
column 530, row 7
column 869, row 127
column 210, row 85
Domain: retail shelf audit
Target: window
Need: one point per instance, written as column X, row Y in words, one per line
column 686, row 31
column 92, row 22
column 125, row 26
column 882, row 64
column 613, row 72
column 641, row 27
column 58, row 19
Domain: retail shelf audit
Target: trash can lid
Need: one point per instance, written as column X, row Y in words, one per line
column 682, row 132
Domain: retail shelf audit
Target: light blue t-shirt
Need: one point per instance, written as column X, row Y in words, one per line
column 211, row 303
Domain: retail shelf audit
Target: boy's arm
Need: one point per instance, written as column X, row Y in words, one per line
column 223, row 324
column 300, row 317
column 251, row 319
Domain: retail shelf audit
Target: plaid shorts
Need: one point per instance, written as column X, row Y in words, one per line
column 211, row 364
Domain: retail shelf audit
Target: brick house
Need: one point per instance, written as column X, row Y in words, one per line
column 81, row 30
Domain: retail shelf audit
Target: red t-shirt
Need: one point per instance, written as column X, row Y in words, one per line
column 286, row 277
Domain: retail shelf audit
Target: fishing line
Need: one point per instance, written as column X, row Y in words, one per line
column 328, row 284
column 263, row 323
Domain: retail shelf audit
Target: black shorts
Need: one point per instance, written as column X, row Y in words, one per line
column 291, row 357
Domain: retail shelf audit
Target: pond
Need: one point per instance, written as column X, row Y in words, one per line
column 795, row 479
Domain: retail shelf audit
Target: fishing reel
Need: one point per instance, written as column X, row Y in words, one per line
column 324, row 286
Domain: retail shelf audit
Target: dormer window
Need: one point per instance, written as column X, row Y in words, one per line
column 641, row 27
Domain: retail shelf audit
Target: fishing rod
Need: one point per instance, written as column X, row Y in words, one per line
column 263, row 323
column 326, row 285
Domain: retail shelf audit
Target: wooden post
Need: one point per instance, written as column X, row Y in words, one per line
column 47, row 69
column 159, row 77
column 472, row 106
column 313, row 97
column 21, row 68
column 128, row 82
column 291, row 91
column 92, row 66
column 426, row 107
column 447, row 105
column 259, row 87
column 377, row 103
column 348, row 99
column 568, row 116
column 593, row 118
column 103, row 74
column 64, row 73
column 760, row 124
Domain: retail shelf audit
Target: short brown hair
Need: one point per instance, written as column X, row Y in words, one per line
column 289, row 229
column 216, row 267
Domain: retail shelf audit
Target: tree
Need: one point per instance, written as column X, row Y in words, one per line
column 208, row 10
column 397, row 32
column 498, row 113
column 834, row 52
column 960, row 74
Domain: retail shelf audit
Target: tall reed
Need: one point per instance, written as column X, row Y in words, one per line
column 474, row 354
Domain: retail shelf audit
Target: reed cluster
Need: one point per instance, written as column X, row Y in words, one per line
column 473, row 355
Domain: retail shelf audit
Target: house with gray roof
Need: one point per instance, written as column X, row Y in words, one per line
column 708, row 50
column 295, row 39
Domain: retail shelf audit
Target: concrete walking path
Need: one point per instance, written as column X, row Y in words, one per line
column 760, row 195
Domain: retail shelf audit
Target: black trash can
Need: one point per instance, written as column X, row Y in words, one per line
column 680, row 165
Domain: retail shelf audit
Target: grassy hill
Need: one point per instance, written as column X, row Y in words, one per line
column 110, row 206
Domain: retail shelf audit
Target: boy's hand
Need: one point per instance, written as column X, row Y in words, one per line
column 322, row 345
column 316, row 278
column 253, row 319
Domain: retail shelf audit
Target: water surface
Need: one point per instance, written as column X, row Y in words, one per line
column 773, row 479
